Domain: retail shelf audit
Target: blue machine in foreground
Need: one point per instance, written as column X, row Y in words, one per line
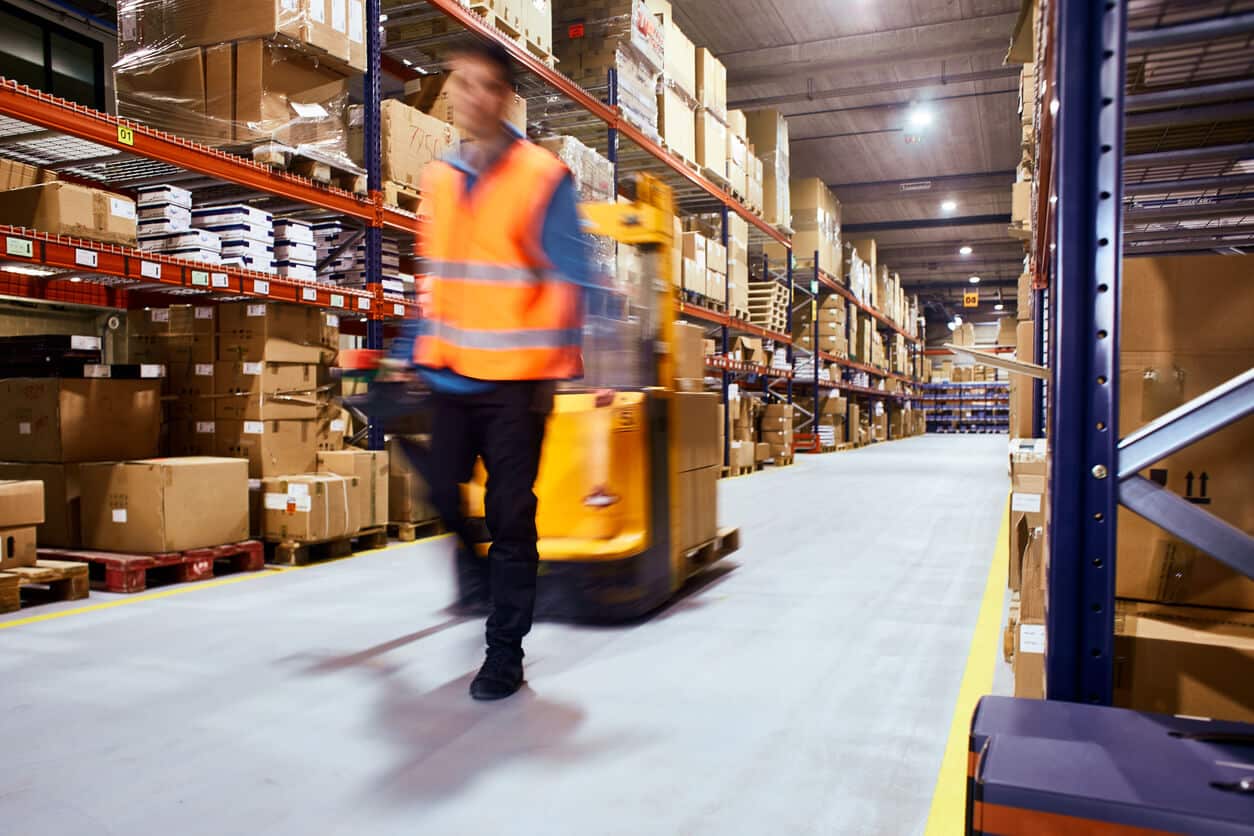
column 1052, row 767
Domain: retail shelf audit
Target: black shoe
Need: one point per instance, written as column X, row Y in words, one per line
column 500, row 676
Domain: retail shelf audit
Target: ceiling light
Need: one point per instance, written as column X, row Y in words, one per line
column 28, row 270
column 1053, row 198
column 953, row 326
column 1053, row 107
column 974, row 280
column 76, row 278
column 964, row 250
column 999, row 307
column 949, row 205
column 920, row 115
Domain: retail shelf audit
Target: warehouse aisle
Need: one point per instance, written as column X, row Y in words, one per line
column 806, row 687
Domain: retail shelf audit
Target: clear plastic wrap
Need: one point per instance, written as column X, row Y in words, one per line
column 230, row 72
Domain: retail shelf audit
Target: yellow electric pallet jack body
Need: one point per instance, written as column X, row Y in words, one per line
column 610, row 508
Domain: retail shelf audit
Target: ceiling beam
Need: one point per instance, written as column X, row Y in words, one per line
column 930, row 223
column 1189, row 155
column 977, row 244
column 900, row 105
column 921, row 187
column 811, row 95
column 932, row 42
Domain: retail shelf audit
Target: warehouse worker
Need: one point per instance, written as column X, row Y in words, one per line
column 503, row 266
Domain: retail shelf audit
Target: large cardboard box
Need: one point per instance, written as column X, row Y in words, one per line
column 287, row 97
column 165, row 89
column 696, row 430
column 370, row 468
column 681, row 60
column 61, row 513
column 70, row 209
column 275, row 448
column 307, row 508
column 21, row 503
column 1185, row 331
column 15, row 175
column 689, row 355
column 67, row 420
column 263, row 391
column 698, row 507
column 1025, row 297
column 1184, row 660
column 767, row 131
column 677, row 123
column 711, row 142
column 411, row 141
column 711, row 83
column 409, row 497
column 272, row 331
column 1029, row 659
column 164, row 505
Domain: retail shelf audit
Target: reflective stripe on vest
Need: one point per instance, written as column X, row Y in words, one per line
column 493, row 307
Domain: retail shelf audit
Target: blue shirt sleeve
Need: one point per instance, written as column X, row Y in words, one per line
column 562, row 239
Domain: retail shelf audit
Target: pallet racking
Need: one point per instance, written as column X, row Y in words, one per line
column 91, row 146
column 1076, row 260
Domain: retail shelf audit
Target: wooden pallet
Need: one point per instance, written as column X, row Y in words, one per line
column 727, row 541
column 292, row 553
column 401, row 196
column 47, row 580
column 732, row 471
column 118, row 572
column 408, row 532
column 784, row 461
column 740, row 313
column 309, row 162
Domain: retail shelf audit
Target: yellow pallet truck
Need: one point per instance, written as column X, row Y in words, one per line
column 610, row 508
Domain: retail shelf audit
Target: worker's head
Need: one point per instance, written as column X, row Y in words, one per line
column 481, row 87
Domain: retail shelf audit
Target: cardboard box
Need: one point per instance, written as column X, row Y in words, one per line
column 689, row 351
column 696, row 430
column 681, row 60
column 1178, row 343
column 21, row 503
column 711, row 83
column 1184, row 660
column 165, row 89
column 275, row 448
column 15, row 175
column 716, row 257
column 698, row 506
column 70, row 209
column 695, row 278
column 272, row 331
column 307, row 508
column 17, row 547
column 767, row 131
column 265, row 391
column 1026, row 297
column 409, row 497
column 164, row 505
column 289, row 98
column 68, row 420
column 1029, row 660
column 411, row 140
column 60, row 524
column 711, row 141
column 370, row 468
column 677, row 123
column 761, row 452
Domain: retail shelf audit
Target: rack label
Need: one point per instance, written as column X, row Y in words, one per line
column 309, row 294
column 1032, row 638
column 219, row 280
column 399, row 310
column 363, row 304
column 126, row 136
column 150, row 269
column 19, row 247
column 85, row 258
column 1026, row 502
column 200, row 278
column 85, row 343
column 147, row 370
column 337, row 301
column 261, row 286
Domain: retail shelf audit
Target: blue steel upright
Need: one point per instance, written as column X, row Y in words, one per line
column 727, row 375
column 372, row 149
column 1085, row 399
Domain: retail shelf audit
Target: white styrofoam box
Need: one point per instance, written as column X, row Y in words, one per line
column 196, row 254
column 167, row 211
column 301, row 272
column 298, row 253
column 188, row 239
column 261, row 265
column 293, row 232
column 164, row 194
column 247, row 246
column 158, row 227
column 236, row 213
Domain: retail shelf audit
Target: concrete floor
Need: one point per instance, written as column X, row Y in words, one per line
column 807, row 686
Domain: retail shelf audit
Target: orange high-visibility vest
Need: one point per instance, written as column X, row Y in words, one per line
column 494, row 307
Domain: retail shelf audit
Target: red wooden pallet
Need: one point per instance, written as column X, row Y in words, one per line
column 118, row 572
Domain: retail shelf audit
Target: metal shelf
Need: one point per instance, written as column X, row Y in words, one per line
column 833, row 284
column 688, row 309
column 723, row 363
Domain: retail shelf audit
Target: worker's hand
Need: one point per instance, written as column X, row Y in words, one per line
column 604, row 397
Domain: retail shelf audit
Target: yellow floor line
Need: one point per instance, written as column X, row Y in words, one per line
column 182, row 589
column 947, row 814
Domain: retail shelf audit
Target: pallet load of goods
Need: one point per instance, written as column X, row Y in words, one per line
column 1183, row 621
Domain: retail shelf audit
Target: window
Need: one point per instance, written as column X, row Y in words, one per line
column 44, row 55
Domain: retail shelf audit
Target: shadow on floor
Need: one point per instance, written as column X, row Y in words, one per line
column 369, row 658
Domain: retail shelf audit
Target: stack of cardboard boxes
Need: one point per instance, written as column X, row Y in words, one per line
column 1029, row 484
column 831, row 314
column 712, row 130
column 231, row 72
column 410, row 139
column 816, row 228
column 50, row 428
column 768, row 133
column 698, row 427
column 68, row 209
column 21, row 511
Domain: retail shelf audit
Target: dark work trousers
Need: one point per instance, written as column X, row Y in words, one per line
column 504, row 426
